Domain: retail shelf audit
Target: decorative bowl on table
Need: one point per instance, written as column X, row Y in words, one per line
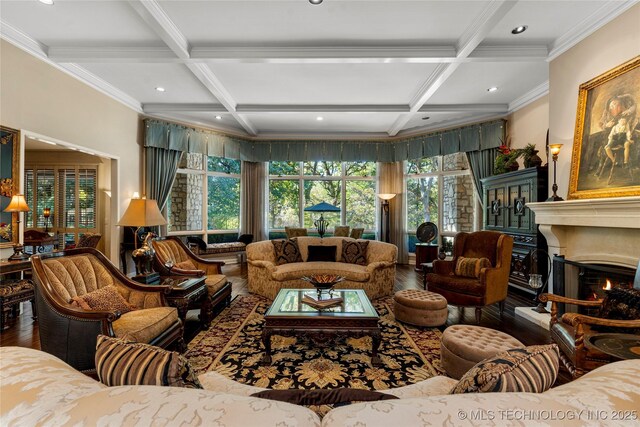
column 323, row 281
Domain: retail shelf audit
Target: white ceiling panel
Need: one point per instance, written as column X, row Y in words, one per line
column 296, row 22
column 140, row 81
column 469, row 83
column 307, row 123
column 546, row 21
column 78, row 23
column 322, row 83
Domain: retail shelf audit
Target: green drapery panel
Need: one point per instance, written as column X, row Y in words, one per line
column 161, row 167
column 481, row 164
column 171, row 136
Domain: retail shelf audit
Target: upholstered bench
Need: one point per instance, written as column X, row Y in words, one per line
column 463, row 346
column 12, row 293
column 420, row 308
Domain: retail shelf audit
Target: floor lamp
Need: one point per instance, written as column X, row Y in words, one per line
column 386, row 218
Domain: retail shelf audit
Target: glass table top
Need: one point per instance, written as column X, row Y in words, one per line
column 355, row 303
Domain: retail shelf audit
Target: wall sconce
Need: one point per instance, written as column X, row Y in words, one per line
column 386, row 221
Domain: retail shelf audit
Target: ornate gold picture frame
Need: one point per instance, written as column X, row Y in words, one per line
column 606, row 146
column 9, row 184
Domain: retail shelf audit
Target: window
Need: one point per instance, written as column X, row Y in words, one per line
column 69, row 192
column 205, row 198
column 293, row 186
column 439, row 190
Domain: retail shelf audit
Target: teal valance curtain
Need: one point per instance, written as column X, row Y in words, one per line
column 161, row 167
column 170, row 136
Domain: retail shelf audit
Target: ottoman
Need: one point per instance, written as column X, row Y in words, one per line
column 463, row 346
column 420, row 308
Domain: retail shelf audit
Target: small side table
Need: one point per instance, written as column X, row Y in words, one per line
column 425, row 252
column 620, row 346
column 427, row 267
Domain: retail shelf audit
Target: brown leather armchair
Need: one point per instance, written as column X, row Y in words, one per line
column 490, row 287
column 172, row 251
column 69, row 332
column 572, row 330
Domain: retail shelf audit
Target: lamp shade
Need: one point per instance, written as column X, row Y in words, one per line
column 555, row 148
column 322, row 207
column 386, row 196
column 142, row 213
column 17, row 204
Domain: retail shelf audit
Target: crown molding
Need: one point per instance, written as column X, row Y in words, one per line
column 599, row 18
column 39, row 50
column 508, row 53
column 169, row 107
column 447, row 124
column 113, row 54
column 529, row 97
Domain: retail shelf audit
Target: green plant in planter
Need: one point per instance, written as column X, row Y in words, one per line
column 506, row 160
column 530, row 156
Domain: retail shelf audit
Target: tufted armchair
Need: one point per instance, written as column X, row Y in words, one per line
column 173, row 257
column 490, row 287
column 70, row 332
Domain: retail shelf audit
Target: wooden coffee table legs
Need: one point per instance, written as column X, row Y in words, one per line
column 321, row 336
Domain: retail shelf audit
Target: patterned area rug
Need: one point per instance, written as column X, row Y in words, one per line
column 232, row 347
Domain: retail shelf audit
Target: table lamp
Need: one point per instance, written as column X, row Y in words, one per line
column 18, row 204
column 142, row 213
column 46, row 213
column 321, row 224
column 386, row 221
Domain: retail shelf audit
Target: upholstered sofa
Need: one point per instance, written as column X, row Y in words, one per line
column 376, row 278
column 39, row 389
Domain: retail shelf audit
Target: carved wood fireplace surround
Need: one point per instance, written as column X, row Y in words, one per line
column 597, row 231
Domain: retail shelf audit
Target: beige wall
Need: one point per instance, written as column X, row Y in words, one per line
column 529, row 125
column 613, row 44
column 39, row 98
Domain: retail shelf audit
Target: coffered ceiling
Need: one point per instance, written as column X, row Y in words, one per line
column 272, row 68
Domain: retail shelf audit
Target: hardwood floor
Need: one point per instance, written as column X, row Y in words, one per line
column 23, row 331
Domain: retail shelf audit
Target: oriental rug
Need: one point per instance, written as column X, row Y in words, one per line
column 232, row 346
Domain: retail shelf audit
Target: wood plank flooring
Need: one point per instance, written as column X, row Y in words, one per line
column 23, row 331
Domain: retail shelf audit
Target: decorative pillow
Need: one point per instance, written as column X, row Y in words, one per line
column 119, row 362
column 202, row 245
column 245, row 238
column 620, row 304
column 186, row 265
column 531, row 369
column 322, row 253
column 471, row 267
column 287, row 251
column 106, row 298
column 355, row 252
column 323, row 396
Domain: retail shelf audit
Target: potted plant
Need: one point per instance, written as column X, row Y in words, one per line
column 506, row 160
column 530, row 156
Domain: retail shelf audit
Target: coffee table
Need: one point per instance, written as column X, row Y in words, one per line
column 355, row 317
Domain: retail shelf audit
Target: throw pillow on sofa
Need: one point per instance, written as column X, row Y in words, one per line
column 119, row 362
column 531, row 369
column 471, row 267
column 355, row 252
column 336, row 396
column 286, row 251
column 322, row 253
column 106, row 298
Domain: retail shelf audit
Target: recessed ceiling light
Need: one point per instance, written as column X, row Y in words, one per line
column 426, row 118
column 315, row 1
column 47, row 2
column 160, row 89
column 319, row 118
column 519, row 29
column 492, row 89
column 218, row 117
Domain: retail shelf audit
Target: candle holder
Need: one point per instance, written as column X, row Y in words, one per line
column 537, row 281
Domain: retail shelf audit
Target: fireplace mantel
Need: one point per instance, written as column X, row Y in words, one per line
column 604, row 231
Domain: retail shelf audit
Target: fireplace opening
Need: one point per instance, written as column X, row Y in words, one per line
column 587, row 281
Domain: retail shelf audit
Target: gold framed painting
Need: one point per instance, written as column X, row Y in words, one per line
column 9, row 184
column 606, row 146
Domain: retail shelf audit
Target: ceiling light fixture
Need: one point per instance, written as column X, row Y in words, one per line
column 315, row 1
column 492, row 89
column 319, row 118
column 519, row 29
column 218, row 117
column 160, row 89
column 47, row 2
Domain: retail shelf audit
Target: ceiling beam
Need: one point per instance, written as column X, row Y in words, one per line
column 299, row 55
column 469, row 41
column 158, row 20
column 466, row 108
column 322, row 108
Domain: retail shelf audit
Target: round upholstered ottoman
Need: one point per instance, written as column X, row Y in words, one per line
column 463, row 346
column 420, row 308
